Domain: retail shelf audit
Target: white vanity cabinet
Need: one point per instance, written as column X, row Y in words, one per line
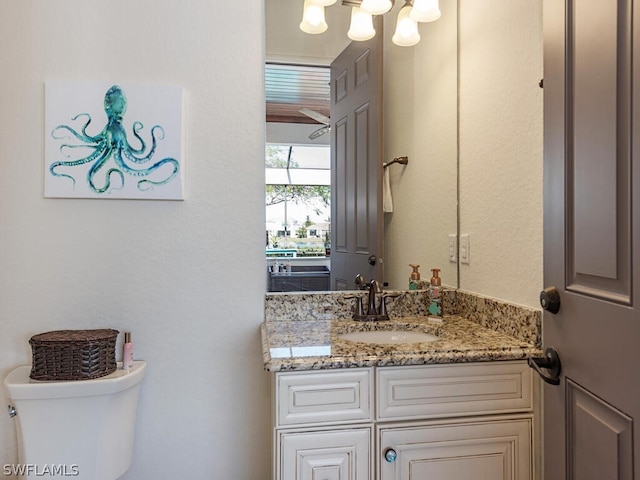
column 457, row 421
column 462, row 421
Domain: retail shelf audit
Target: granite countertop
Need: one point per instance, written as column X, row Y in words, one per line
column 316, row 344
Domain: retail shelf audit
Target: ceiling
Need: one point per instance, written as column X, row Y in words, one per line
column 291, row 87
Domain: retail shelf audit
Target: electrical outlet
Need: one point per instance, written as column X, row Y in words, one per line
column 453, row 247
column 465, row 252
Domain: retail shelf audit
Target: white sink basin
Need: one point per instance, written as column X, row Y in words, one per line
column 390, row 336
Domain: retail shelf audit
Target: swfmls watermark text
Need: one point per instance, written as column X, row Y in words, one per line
column 32, row 470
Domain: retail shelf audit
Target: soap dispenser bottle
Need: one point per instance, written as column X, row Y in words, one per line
column 435, row 297
column 414, row 280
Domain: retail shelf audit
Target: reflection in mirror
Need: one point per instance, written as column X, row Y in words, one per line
column 298, row 217
column 420, row 121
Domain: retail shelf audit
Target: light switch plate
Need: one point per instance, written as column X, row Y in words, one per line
column 453, row 247
column 465, row 254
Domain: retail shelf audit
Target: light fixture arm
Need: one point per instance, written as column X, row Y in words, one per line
column 357, row 3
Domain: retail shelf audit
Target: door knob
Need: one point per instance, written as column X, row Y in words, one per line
column 550, row 299
column 551, row 363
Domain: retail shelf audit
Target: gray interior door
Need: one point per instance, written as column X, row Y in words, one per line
column 591, row 253
column 356, row 164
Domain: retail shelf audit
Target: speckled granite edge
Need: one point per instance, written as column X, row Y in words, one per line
column 523, row 323
column 320, row 344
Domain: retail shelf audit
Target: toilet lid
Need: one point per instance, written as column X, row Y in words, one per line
column 20, row 386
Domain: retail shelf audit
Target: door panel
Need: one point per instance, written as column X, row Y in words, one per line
column 356, row 204
column 594, row 139
column 598, row 150
column 339, row 191
column 601, row 437
column 365, row 239
column 590, row 213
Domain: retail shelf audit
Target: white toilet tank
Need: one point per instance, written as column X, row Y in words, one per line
column 82, row 429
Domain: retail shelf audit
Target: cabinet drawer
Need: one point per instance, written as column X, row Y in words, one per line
column 323, row 396
column 433, row 391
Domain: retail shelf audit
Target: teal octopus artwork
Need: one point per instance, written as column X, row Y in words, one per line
column 112, row 143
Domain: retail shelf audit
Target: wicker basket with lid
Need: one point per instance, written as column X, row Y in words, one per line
column 73, row 354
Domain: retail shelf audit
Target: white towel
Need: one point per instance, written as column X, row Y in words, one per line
column 387, row 199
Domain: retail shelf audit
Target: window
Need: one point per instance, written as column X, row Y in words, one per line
column 298, row 195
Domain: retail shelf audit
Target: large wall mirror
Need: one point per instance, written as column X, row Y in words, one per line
column 420, row 121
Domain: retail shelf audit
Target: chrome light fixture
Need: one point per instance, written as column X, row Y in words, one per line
column 362, row 11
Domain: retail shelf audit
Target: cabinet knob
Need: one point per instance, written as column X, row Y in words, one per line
column 390, row 455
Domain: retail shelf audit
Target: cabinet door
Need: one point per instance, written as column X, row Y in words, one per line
column 325, row 455
column 464, row 451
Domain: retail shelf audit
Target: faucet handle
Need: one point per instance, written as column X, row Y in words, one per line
column 391, row 295
column 383, row 302
column 359, row 309
column 382, row 311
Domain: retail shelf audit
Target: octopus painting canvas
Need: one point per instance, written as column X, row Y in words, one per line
column 113, row 140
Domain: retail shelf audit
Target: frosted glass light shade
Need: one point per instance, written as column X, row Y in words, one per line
column 324, row 3
column 313, row 18
column 406, row 34
column 376, row 7
column 361, row 27
column 425, row 10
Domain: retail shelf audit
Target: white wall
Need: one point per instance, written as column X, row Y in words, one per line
column 187, row 278
column 501, row 147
